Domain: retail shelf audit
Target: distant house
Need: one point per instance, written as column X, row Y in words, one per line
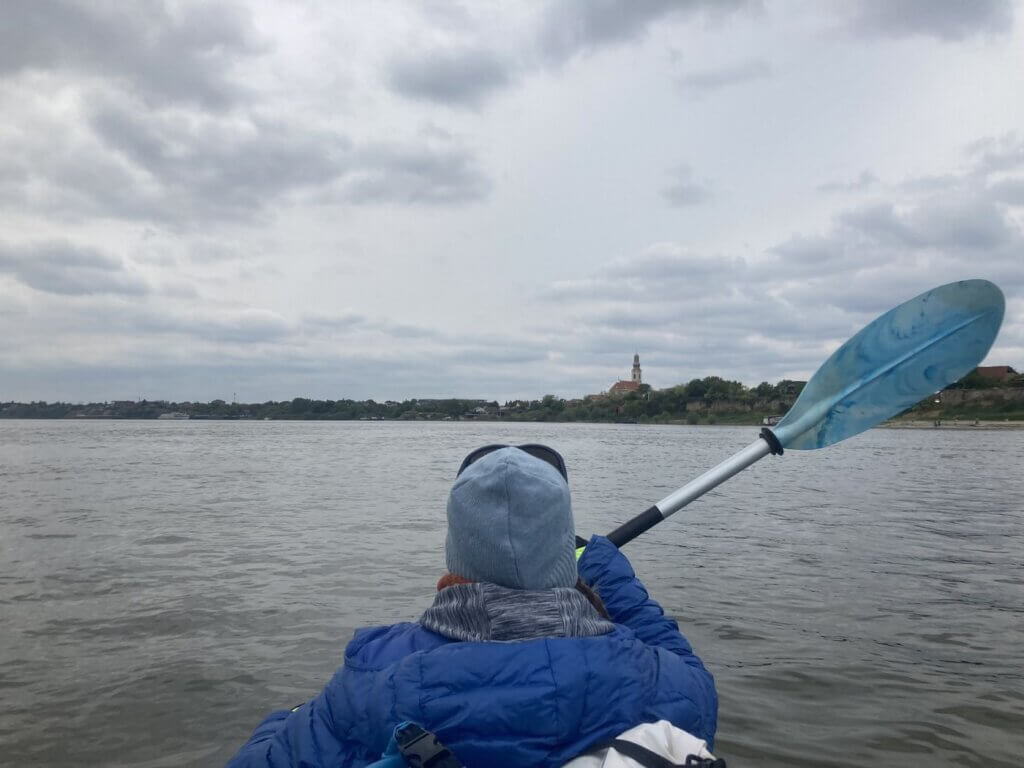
column 632, row 384
column 995, row 372
column 623, row 387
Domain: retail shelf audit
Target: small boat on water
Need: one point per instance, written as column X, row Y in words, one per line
column 176, row 415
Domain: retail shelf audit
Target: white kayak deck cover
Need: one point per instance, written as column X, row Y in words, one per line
column 662, row 738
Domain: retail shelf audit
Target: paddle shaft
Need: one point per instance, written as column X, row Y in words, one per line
column 694, row 489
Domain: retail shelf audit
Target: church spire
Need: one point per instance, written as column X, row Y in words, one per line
column 636, row 368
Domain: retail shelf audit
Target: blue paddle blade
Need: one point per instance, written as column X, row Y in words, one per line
column 910, row 352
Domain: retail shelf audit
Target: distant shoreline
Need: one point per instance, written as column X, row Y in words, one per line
column 709, row 401
column 954, row 424
column 960, row 424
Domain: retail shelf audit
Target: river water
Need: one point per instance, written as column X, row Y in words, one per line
column 164, row 585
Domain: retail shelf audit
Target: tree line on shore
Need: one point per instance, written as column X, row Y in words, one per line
column 642, row 404
column 711, row 399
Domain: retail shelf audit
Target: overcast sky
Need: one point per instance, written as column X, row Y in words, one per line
column 495, row 200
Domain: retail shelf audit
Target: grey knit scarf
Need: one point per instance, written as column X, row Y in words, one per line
column 481, row 611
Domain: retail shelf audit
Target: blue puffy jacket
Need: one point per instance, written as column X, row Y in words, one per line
column 530, row 703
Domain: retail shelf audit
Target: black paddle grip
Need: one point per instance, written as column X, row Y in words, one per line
column 773, row 442
column 630, row 529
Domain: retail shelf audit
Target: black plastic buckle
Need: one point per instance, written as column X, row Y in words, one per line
column 421, row 748
column 692, row 761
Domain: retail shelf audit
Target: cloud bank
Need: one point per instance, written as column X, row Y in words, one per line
column 282, row 199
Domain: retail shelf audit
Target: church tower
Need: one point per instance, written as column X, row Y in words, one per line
column 636, row 368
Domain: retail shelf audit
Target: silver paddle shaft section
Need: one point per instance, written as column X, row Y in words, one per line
column 713, row 477
column 629, row 530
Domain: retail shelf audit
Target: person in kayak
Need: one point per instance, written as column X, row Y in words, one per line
column 513, row 664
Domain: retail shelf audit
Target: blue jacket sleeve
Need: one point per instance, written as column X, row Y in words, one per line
column 350, row 721
column 264, row 747
column 305, row 737
column 607, row 570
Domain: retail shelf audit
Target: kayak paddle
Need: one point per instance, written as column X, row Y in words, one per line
column 911, row 351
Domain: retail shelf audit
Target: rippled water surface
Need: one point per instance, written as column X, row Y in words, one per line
column 163, row 585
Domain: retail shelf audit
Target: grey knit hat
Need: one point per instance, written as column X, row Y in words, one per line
column 510, row 523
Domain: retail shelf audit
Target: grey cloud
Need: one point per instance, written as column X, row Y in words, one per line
column 511, row 355
column 68, row 270
column 211, row 251
column 177, row 168
column 254, row 327
column 730, row 312
column 389, row 173
column 354, row 322
column 163, row 51
column 167, row 166
column 885, row 253
column 677, row 341
column 882, row 225
column 158, row 325
column 634, row 317
column 861, row 295
column 716, row 79
column 712, row 323
column 752, row 331
column 468, row 77
column 209, row 167
column 461, row 78
column 691, row 347
column 959, row 223
column 877, row 256
column 801, row 250
column 257, row 380
column 968, row 223
column 872, row 235
column 988, row 160
column 949, row 20
column 1009, row 191
column 46, row 167
column 662, row 273
column 329, row 323
column 579, row 288
column 1003, row 153
column 666, row 261
column 260, row 354
column 247, row 326
column 933, row 183
column 404, row 331
column 450, row 348
column 866, row 294
column 155, row 379
column 179, row 289
column 780, row 312
column 574, row 26
column 684, row 190
column 866, row 180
